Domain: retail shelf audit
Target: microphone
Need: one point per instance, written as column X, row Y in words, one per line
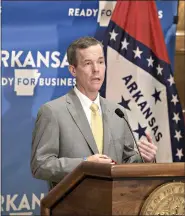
column 122, row 115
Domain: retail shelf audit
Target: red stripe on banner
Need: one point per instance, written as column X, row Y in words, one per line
column 140, row 20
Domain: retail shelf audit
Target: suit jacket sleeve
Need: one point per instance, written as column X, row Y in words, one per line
column 45, row 163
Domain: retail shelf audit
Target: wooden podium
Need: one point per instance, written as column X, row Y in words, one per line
column 105, row 190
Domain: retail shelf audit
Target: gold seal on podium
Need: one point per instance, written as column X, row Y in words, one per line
column 167, row 199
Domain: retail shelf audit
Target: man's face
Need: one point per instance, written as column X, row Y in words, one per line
column 90, row 69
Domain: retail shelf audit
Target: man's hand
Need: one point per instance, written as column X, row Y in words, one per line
column 148, row 149
column 100, row 158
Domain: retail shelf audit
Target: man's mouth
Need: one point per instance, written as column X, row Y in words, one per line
column 96, row 79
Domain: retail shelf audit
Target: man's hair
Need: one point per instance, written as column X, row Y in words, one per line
column 81, row 43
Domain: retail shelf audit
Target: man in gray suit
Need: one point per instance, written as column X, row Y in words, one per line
column 63, row 136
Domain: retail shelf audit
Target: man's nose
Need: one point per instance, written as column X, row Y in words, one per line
column 95, row 67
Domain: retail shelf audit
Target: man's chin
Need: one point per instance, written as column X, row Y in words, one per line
column 96, row 89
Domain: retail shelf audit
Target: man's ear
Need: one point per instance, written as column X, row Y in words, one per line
column 72, row 70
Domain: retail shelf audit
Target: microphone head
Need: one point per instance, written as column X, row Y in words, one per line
column 119, row 113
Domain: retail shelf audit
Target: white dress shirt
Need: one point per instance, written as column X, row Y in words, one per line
column 86, row 103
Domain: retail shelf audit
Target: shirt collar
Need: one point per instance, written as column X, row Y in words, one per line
column 85, row 101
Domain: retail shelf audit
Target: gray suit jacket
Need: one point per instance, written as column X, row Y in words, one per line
column 62, row 137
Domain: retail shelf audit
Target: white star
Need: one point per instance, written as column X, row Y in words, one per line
column 171, row 80
column 124, row 44
column 113, row 35
column 150, row 61
column 159, row 70
column 179, row 153
column 137, row 53
column 178, row 135
column 176, row 117
column 174, row 99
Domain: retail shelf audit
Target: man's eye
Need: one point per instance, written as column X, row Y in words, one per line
column 87, row 63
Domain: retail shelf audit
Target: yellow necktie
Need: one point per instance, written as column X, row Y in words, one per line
column 97, row 126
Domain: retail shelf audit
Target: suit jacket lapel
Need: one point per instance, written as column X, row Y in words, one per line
column 106, row 130
column 76, row 110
